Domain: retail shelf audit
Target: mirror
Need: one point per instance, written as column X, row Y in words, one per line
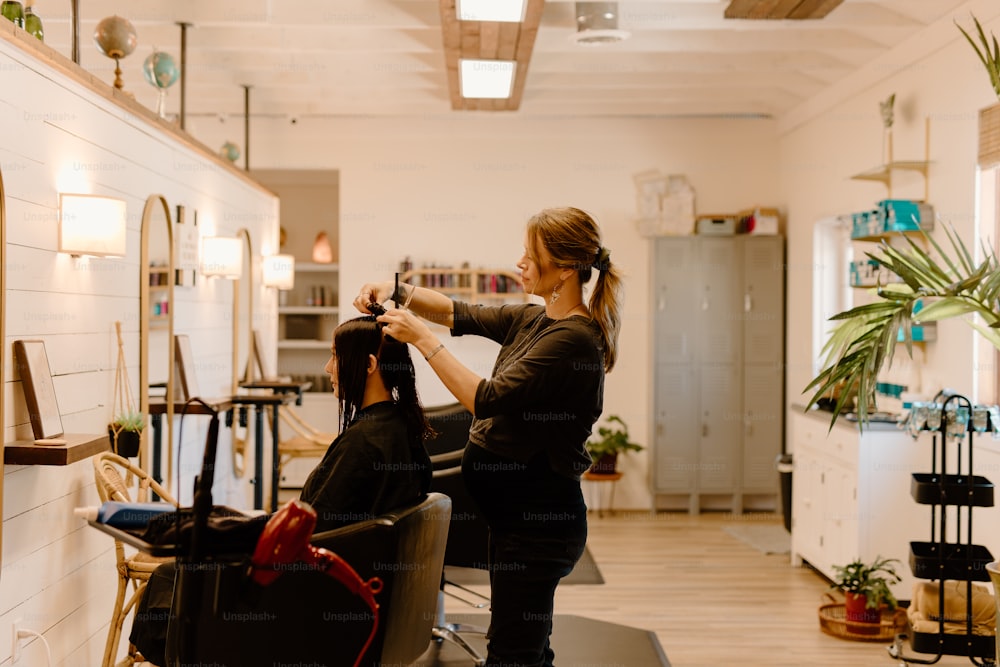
column 39, row 393
column 3, row 332
column 243, row 290
column 156, row 320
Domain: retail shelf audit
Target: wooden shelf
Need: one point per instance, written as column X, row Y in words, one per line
column 883, row 174
column 308, row 310
column 79, row 446
column 468, row 287
column 295, row 344
column 313, row 266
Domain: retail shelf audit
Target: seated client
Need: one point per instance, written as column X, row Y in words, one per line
column 376, row 464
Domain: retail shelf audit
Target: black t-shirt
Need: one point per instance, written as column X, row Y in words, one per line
column 371, row 468
column 547, row 386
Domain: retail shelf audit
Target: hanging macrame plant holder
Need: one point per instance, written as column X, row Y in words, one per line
column 125, row 431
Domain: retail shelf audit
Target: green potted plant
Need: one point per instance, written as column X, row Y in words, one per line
column 866, row 588
column 125, row 433
column 988, row 51
column 865, row 337
column 611, row 440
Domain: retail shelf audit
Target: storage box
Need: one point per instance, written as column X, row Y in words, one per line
column 716, row 225
column 760, row 221
column 906, row 215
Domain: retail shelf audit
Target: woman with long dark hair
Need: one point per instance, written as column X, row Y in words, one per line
column 533, row 415
column 378, row 462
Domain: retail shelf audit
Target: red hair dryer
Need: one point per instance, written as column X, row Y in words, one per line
column 285, row 540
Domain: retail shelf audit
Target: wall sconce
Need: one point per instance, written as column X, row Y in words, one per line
column 92, row 225
column 222, row 256
column 279, row 271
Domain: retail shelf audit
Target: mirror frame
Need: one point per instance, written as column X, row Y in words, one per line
column 144, row 303
column 239, row 447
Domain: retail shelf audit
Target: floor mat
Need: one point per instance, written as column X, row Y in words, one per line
column 766, row 538
column 585, row 572
column 576, row 640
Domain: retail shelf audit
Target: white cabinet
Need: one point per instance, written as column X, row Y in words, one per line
column 307, row 316
column 851, row 493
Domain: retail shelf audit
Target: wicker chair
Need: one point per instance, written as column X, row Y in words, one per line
column 307, row 441
column 133, row 570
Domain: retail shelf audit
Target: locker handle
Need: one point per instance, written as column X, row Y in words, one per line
column 747, row 302
column 704, row 303
column 704, row 430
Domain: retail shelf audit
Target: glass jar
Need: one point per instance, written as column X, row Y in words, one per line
column 32, row 22
column 13, row 11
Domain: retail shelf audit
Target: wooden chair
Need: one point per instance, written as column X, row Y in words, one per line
column 307, row 441
column 133, row 570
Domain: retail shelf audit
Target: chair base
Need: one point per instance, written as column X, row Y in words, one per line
column 449, row 632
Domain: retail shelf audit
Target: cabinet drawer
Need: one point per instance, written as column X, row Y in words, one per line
column 813, row 431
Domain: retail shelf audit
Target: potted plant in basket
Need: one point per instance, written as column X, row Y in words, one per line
column 866, row 589
column 125, row 433
column 610, row 441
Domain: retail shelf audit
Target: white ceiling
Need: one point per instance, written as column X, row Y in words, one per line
column 305, row 58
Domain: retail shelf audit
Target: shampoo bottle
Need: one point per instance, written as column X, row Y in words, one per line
column 123, row 515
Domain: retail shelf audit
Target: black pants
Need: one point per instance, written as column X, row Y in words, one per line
column 152, row 614
column 538, row 531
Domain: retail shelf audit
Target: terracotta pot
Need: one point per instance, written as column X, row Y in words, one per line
column 861, row 620
column 989, row 136
column 126, row 444
column 606, row 465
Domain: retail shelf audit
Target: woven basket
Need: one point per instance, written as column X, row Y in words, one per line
column 989, row 136
column 833, row 621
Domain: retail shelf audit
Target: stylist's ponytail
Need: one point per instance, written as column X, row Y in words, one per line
column 573, row 240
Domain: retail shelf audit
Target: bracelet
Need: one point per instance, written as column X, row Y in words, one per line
column 409, row 297
column 434, row 351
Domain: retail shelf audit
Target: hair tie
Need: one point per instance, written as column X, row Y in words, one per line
column 603, row 260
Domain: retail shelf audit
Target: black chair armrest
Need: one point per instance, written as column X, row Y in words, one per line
column 447, row 459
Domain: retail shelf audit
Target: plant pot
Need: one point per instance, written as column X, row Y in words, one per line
column 989, row 136
column 860, row 619
column 126, row 443
column 606, row 465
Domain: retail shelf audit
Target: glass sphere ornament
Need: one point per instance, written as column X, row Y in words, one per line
column 116, row 38
column 230, row 151
column 161, row 72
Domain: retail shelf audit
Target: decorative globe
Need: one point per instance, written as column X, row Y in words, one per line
column 115, row 37
column 160, row 69
column 230, row 151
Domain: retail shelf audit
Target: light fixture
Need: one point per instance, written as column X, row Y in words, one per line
column 486, row 79
column 597, row 23
column 222, row 256
column 279, row 271
column 92, row 225
column 508, row 11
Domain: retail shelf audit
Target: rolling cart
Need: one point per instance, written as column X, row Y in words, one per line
column 951, row 491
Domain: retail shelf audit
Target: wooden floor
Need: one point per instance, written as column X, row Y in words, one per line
column 711, row 599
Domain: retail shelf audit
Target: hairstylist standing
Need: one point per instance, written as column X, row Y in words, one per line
column 533, row 415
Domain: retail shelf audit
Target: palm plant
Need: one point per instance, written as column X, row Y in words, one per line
column 865, row 338
column 989, row 54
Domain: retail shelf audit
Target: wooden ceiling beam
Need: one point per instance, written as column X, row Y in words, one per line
column 488, row 40
column 780, row 9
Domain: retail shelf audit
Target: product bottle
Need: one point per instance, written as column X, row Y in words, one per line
column 32, row 23
column 13, row 11
column 123, row 515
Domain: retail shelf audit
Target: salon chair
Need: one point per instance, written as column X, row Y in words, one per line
column 468, row 535
column 308, row 617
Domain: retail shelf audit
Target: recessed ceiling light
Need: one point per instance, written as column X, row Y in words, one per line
column 597, row 23
column 511, row 11
column 481, row 79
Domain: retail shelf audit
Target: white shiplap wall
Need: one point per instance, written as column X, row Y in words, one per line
column 63, row 135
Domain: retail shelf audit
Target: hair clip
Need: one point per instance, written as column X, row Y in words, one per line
column 376, row 309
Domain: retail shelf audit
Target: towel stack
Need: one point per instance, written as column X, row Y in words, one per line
column 925, row 608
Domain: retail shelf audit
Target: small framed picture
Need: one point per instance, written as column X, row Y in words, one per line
column 39, row 393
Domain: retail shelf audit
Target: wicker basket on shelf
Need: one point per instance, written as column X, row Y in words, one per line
column 833, row 621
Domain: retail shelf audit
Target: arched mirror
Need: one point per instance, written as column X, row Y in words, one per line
column 156, row 327
column 243, row 341
column 3, row 335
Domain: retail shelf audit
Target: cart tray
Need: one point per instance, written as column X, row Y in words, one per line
column 935, row 560
column 937, row 489
column 979, row 646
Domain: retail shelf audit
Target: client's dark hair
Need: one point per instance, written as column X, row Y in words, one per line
column 353, row 341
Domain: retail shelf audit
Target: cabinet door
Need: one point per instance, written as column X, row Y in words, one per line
column 807, row 504
column 675, row 269
column 718, row 288
column 721, row 423
column 763, row 299
column 840, row 522
column 677, row 429
column 763, row 430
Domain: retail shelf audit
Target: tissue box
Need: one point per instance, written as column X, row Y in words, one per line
column 716, row 225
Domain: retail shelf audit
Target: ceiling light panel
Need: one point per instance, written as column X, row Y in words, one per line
column 505, row 11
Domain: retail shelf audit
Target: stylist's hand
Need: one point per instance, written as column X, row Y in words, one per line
column 406, row 327
column 373, row 293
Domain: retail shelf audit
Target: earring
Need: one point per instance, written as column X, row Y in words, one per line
column 555, row 293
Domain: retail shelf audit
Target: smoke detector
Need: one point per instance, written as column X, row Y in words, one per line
column 597, row 24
